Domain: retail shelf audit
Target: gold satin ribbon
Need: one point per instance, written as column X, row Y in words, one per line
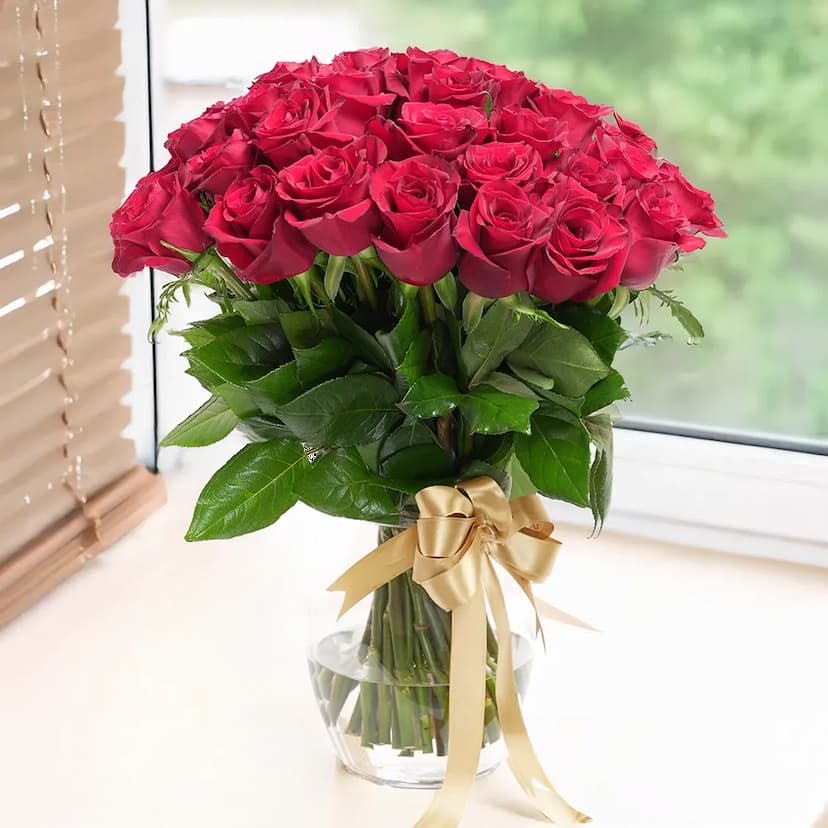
column 458, row 535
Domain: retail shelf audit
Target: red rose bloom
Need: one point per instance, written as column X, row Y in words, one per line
column 199, row 133
column 580, row 116
column 613, row 149
column 158, row 209
column 431, row 129
column 585, row 251
column 696, row 204
column 416, row 200
column 357, row 94
column 327, row 196
column 497, row 236
column 589, row 172
column 299, row 120
column 285, row 71
column 547, row 135
column 250, row 230
column 517, row 162
column 633, row 132
column 459, row 87
column 659, row 229
column 214, row 169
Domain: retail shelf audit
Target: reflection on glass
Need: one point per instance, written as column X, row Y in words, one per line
column 734, row 88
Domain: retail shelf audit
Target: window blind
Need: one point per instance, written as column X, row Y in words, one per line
column 70, row 482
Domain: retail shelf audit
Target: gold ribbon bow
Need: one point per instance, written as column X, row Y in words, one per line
column 459, row 533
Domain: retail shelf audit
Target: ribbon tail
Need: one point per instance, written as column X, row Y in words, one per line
column 379, row 566
column 467, row 690
column 523, row 760
column 551, row 612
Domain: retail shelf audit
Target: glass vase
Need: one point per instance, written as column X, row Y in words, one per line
column 381, row 679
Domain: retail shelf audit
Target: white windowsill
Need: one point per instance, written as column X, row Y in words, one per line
column 165, row 685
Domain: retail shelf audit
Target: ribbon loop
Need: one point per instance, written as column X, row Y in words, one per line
column 459, row 533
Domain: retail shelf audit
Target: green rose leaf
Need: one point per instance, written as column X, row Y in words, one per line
column 400, row 338
column 339, row 483
column 262, row 429
column 499, row 333
column 415, row 362
column 562, row 354
column 412, row 452
column 605, row 334
column 240, row 401
column 600, row 472
column 330, row 358
column 609, row 390
column 365, row 345
column 259, row 311
column 208, row 424
column 509, row 385
column 347, row 411
column 275, row 389
column 431, row 396
column 556, row 455
column 244, row 354
column 489, row 411
column 252, row 490
column 446, row 290
column 303, row 329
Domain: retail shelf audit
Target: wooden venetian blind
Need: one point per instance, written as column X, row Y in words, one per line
column 69, row 483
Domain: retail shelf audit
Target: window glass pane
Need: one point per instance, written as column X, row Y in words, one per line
column 735, row 92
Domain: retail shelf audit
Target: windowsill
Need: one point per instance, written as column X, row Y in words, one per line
column 166, row 685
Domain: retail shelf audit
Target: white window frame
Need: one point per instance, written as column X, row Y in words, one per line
column 728, row 496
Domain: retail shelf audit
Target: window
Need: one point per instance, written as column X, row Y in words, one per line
column 733, row 89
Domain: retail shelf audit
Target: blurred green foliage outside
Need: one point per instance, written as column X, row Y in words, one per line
column 735, row 92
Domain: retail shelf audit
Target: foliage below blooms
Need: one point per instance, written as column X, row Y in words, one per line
column 419, row 261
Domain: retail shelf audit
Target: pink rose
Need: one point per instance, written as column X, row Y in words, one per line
column 431, row 129
column 249, row 228
column 516, row 162
column 416, row 200
column 215, row 168
column 201, row 132
column 158, row 210
column 585, row 251
column 327, row 196
column 497, row 237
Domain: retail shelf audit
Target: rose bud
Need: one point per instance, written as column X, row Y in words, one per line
column 586, row 249
column 517, row 162
column 497, row 236
column 250, row 230
column 214, row 169
column 547, row 135
column 416, row 200
column 158, row 210
column 431, row 129
column 659, row 229
column 327, row 198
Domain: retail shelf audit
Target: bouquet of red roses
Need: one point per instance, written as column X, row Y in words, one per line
column 419, row 261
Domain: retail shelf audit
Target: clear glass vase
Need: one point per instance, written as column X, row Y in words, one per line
column 380, row 676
